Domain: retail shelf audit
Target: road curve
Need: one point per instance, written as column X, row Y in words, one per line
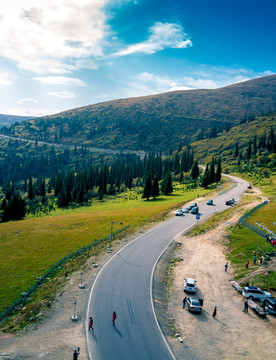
column 124, row 285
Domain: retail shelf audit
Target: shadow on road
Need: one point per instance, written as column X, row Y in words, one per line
column 94, row 336
column 118, row 331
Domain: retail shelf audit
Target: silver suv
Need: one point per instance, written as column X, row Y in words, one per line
column 252, row 292
column 189, row 285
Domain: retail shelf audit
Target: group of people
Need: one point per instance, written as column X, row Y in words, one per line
column 90, row 327
column 91, row 322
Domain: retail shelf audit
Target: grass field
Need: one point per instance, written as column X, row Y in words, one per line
column 244, row 243
column 31, row 247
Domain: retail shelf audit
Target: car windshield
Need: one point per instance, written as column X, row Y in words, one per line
column 195, row 302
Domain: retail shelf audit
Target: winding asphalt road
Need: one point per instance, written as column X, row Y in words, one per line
column 124, row 285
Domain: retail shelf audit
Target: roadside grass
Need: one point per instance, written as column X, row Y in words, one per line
column 216, row 219
column 29, row 248
column 244, row 244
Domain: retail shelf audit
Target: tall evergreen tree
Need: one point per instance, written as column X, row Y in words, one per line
column 155, row 188
column 218, row 172
column 166, row 185
column 195, row 171
column 205, row 180
column 147, row 186
column 30, row 189
column 212, row 178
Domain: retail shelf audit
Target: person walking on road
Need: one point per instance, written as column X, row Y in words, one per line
column 75, row 355
column 90, row 324
column 255, row 259
column 114, row 317
column 261, row 260
column 245, row 306
column 184, row 302
column 226, row 266
column 215, row 312
column 247, row 264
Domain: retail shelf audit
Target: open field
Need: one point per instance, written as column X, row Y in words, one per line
column 244, row 243
column 30, row 247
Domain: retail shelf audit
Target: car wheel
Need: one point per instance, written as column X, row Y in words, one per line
column 251, row 297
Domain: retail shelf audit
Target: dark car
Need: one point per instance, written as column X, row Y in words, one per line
column 210, row 202
column 269, row 305
column 194, row 304
column 194, row 210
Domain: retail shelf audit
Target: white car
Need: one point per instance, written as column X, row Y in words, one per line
column 194, row 304
column 252, row 292
column 178, row 212
column 189, row 285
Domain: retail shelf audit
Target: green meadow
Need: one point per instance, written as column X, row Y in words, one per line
column 244, row 243
column 29, row 248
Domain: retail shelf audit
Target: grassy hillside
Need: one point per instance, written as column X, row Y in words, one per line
column 224, row 146
column 155, row 122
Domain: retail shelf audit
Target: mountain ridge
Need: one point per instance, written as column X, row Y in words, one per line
column 155, row 122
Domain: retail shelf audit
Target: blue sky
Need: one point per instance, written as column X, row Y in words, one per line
column 60, row 54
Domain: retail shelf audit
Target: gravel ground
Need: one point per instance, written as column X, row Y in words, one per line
column 232, row 334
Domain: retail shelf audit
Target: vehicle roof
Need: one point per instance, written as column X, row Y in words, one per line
column 190, row 280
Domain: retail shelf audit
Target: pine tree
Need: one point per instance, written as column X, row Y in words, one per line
column 155, row 188
column 205, row 179
column 147, row 186
column 195, row 170
column 30, row 189
column 218, row 172
column 166, row 186
column 212, row 172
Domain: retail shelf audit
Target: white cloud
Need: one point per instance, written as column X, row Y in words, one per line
column 62, row 94
column 6, row 79
column 43, row 36
column 59, row 80
column 27, row 101
column 162, row 35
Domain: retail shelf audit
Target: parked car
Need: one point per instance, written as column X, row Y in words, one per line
column 189, row 285
column 210, row 202
column 252, row 292
column 194, row 210
column 189, row 207
column 230, row 202
column 194, row 304
column 249, row 187
column 178, row 212
column 193, row 205
column 185, row 210
column 269, row 305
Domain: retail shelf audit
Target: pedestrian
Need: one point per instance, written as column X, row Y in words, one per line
column 247, row 264
column 75, row 355
column 261, row 260
column 226, row 266
column 90, row 323
column 114, row 317
column 184, row 302
column 215, row 312
column 255, row 259
column 245, row 306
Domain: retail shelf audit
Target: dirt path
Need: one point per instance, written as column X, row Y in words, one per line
column 232, row 334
